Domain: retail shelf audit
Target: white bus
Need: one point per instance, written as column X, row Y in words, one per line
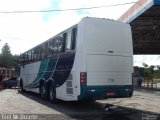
column 91, row 60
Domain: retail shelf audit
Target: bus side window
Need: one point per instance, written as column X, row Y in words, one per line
column 38, row 53
column 68, row 41
column 55, row 46
column 26, row 57
column 42, row 51
column 46, row 50
column 23, row 57
column 32, row 52
column 74, row 36
column 29, row 56
column 50, row 48
column 59, row 40
column 64, row 41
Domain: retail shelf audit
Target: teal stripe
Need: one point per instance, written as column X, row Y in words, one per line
column 42, row 69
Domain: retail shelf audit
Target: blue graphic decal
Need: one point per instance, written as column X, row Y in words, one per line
column 58, row 69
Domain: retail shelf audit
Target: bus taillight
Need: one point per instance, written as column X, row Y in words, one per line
column 83, row 78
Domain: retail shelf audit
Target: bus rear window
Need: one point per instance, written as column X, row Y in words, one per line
column 71, row 39
column 74, row 36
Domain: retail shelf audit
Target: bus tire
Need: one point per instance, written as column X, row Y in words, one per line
column 52, row 93
column 130, row 94
column 43, row 91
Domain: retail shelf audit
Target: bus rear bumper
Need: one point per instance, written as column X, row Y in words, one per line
column 104, row 92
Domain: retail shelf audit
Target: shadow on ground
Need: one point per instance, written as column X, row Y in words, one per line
column 88, row 110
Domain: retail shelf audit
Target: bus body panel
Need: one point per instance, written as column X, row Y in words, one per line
column 109, row 52
column 29, row 73
column 67, row 91
column 107, row 37
column 57, row 68
column 32, row 73
column 109, row 70
column 107, row 55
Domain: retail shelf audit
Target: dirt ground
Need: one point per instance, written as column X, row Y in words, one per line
column 141, row 104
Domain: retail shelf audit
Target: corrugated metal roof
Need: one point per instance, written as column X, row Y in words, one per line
column 144, row 18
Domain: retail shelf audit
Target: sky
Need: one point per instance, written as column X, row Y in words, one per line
column 23, row 31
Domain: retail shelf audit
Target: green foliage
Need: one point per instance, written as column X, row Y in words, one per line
column 148, row 71
column 5, row 52
column 6, row 58
column 157, row 74
column 145, row 65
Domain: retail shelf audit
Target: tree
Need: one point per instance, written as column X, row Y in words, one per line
column 14, row 60
column 6, row 58
column 145, row 65
column 151, row 70
column 6, row 50
column 157, row 72
column 158, row 67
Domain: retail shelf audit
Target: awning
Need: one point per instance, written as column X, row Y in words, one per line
column 144, row 18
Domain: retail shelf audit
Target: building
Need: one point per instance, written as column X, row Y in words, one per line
column 6, row 72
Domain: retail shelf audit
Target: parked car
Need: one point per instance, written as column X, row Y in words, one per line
column 12, row 82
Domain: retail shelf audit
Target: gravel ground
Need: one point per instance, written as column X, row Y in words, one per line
column 145, row 100
column 15, row 103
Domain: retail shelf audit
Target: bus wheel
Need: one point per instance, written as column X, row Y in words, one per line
column 52, row 93
column 43, row 91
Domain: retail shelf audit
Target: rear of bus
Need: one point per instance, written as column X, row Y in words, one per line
column 107, row 57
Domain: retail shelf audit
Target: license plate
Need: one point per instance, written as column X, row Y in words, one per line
column 110, row 94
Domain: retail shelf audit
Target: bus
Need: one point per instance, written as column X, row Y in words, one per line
column 89, row 61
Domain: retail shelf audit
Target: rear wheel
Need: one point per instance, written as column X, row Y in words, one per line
column 43, row 91
column 52, row 93
column 130, row 94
